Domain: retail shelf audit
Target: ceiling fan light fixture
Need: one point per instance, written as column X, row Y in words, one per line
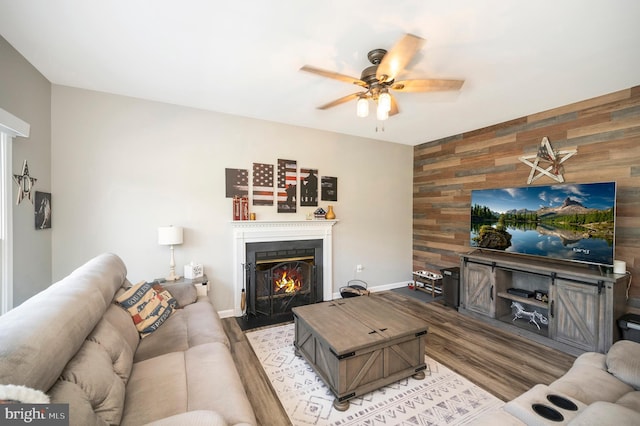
column 362, row 107
column 384, row 101
column 381, row 114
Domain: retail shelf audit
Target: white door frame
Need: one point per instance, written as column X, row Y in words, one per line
column 10, row 127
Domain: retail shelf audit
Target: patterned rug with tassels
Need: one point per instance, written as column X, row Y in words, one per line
column 442, row 398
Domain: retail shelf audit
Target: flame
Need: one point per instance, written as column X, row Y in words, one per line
column 289, row 285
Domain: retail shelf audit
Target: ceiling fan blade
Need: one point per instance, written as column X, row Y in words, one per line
column 341, row 100
column 334, row 75
column 398, row 57
column 431, row 85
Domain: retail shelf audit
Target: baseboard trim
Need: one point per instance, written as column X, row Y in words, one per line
column 226, row 313
column 336, row 295
column 383, row 287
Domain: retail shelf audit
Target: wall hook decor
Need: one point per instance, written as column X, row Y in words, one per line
column 550, row 159
column 25, row 184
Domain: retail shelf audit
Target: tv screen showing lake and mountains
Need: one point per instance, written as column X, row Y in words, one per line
column 574, row 222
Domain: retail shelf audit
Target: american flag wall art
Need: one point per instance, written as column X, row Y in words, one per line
column 287, row 185
column 262, row 184
column 309, row 187
column 236, row 182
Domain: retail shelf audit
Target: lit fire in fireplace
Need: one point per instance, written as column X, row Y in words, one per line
column 287, row 284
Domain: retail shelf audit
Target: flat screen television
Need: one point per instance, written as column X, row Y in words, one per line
column 574, row 222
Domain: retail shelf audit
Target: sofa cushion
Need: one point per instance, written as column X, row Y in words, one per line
column 192, row 418
column 157, row 389
column 121, row 321
column 578, row 383
column 195, row 324
column 201, row 378
column 623, row 361
column 149, row 305
column 214, row 384
column 630, row 400
column 114, row 343
column 92, row 374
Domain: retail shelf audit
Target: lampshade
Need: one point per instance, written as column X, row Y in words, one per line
column 362, row 107
column 169, row 235
column 384, row 101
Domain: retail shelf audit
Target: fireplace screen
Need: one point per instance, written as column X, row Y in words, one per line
column 281, row 286
column 282, row 275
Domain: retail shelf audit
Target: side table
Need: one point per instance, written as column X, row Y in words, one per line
column 200, row 283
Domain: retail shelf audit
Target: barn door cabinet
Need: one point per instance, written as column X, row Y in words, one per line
column 579, row 304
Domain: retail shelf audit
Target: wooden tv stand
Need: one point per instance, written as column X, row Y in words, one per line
column 582, row 307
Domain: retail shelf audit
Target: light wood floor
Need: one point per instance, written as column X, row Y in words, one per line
column 500, row 362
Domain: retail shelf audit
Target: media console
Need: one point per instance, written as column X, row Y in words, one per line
column 580, row 303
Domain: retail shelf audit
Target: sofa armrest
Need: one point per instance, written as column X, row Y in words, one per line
column 606, row 413
column 185, row 294
column 192, row 418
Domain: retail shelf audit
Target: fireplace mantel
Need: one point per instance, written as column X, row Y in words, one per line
column 253, row 231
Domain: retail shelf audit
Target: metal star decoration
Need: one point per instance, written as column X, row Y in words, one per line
column 25, row 183
column 547, row 156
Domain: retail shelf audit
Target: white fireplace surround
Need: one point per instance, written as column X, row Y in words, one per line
column 258, row 231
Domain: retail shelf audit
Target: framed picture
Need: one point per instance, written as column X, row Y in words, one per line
column 287, row 185
column 43, row 210
column 309, row 187
column 262, row 184
column 236, row 182
column 329, row 188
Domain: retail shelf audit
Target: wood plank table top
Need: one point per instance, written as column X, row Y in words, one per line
column 347, row 325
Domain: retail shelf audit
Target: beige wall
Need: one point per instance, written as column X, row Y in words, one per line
column 123, row 166
column 26, row 94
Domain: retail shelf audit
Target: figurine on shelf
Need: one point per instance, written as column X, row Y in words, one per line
column 531, row 316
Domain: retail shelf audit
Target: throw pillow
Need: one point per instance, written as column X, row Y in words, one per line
column 149, row 305
column 623, row 361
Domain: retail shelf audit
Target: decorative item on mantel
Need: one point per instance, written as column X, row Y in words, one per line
column 319, row 213
column 240, row 208
column 330, row 214
column 546, row 154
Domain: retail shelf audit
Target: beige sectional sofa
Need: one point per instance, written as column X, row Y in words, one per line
column 74, row 343
column 605, row 389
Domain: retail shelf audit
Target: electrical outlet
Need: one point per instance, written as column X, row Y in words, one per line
column 359, row 268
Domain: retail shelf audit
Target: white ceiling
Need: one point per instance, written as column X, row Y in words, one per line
column 243, row 57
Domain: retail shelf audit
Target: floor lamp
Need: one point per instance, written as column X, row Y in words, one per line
column 170, row 236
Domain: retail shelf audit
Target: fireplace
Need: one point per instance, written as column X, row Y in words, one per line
column 281, row 275
column 250, row 232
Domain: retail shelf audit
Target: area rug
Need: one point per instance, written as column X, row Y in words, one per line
column 442, row 398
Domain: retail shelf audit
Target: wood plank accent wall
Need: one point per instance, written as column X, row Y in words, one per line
column 605, row 131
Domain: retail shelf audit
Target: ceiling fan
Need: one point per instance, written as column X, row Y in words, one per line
column 378, row 79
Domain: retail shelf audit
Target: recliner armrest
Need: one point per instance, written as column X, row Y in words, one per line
column 604, row 413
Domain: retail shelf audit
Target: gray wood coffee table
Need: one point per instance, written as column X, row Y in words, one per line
column 359, row 344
